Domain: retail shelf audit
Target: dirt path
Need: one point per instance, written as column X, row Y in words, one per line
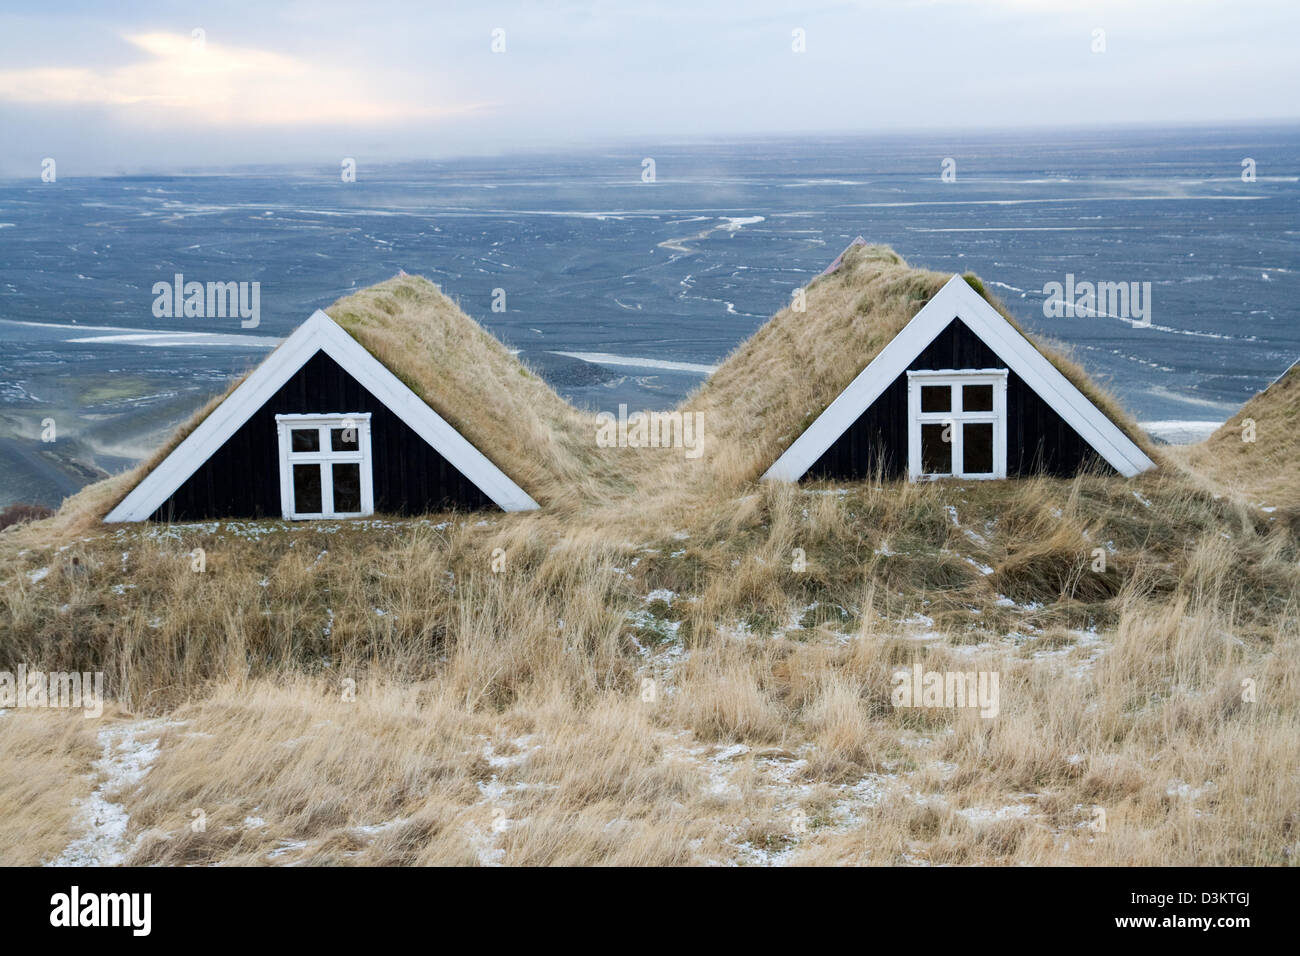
column 129, row 750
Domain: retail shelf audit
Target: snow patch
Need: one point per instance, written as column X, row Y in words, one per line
column 125, row 761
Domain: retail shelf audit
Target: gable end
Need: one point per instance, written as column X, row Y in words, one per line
column 1057, row 430
column 319, row 362
column 1039, row 441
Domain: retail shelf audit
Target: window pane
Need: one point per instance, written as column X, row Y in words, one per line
column 936, row 398
column 344, row 439
column 306, row 489
column 977, row 448
column 306, row 439
column 977, row 398
column 936, row 454
column 347, row 488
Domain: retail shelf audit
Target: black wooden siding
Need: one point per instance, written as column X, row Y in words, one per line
column 242, row 479
column 1038, row 439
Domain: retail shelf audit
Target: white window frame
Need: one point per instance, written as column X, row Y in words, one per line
column 326, row 457
column 957, row 417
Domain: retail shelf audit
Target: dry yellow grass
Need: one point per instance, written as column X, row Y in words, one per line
column 505, row 717
column 472, row 380
column 655, row 678
column 45, row 758
column 1256, row 453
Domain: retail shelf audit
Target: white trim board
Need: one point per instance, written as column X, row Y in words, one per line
column 957, row 300
column 319, row 333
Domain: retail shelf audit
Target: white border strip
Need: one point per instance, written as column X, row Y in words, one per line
column 319, row 333
column 957, row 300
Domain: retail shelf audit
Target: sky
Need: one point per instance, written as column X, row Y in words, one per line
column 170, row 87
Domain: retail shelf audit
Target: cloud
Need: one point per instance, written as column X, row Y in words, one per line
column 187, row 78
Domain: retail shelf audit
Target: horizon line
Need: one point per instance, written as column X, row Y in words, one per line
column 579, row 145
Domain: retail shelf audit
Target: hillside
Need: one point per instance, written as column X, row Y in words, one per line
column 673, row 664
column 1261, row 463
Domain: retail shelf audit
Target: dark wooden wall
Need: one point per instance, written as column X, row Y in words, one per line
column 242, row 479
column 1038, row 439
